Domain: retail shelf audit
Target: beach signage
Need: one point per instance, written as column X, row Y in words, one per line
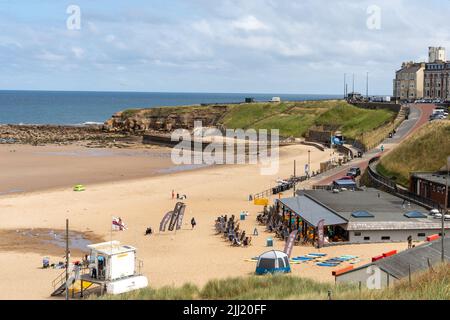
column 290, row 243
column 320, row 232
column 164, row 221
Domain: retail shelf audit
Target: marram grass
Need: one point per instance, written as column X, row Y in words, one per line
column 432, row 284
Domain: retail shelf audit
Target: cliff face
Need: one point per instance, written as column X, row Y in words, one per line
column 164, row 119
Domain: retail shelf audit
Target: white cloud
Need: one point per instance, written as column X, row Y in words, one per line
column 78, row 52
column 239, row 40
column 249, row 23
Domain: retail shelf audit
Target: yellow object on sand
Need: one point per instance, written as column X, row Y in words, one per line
column 261, row 202
column 76, row 287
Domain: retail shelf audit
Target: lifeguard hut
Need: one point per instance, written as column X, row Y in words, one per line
column 115, row 267
column 111, row 266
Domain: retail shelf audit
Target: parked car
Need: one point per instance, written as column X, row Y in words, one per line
column 354, row 172
column 347, row 178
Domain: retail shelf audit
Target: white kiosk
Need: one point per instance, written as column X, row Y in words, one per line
column 114, row 267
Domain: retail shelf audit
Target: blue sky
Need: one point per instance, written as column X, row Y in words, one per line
column 267, row 46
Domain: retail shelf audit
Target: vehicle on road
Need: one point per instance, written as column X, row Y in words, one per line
column 354, row 172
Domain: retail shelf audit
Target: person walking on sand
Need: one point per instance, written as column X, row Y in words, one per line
column 409, row 242
column 193, row 223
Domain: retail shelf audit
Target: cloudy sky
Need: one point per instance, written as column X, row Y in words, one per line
column 258, row 46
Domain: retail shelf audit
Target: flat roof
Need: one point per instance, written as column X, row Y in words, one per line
column 111, row 248
column 310, row 211
column 388, row 211
column 417, row 258
column 439, row 178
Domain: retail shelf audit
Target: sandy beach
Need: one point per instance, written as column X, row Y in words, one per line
column 169, row 259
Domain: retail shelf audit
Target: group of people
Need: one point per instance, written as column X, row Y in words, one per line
column 179, row 196
column 229, row 228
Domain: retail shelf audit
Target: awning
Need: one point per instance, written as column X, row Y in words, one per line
column 311, row 211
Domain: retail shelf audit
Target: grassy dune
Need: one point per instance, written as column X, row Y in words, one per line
column 291, row 118
column 245, row 288
column 434, row 284
column 426, row 150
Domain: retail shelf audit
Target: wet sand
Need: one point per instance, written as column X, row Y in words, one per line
column 28, row 168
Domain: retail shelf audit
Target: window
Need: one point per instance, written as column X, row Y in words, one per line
column 362, row 214
column 415, row 214
column 421, row 234
column 281, row 263
column 357, row 234
column 366, row 238
column 385, row 238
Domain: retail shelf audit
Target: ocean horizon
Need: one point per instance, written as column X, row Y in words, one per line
column 85, row 107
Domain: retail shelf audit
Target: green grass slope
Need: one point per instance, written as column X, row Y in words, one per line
column 432, row 284
column 425, row 150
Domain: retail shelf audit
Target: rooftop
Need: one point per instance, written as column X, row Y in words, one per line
column 385, row 211
column 111, row 248
column 439, row 178
column 417, row 258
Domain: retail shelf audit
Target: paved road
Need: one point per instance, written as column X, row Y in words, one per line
column 418, row 117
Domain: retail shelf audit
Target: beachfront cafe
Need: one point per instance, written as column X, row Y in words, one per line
column 303, row 214
column 364, row 216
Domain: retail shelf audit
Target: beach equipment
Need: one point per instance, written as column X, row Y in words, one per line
column 269, row 242
column 302, row 259
column 79, row 188
column 242, row 216
column 273, row 262
column 326, row 264
column 261, row 202
column 318, row 254
column 45, row 262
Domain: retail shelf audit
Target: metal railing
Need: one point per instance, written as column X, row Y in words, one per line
column 390, row 186
column 291, row 182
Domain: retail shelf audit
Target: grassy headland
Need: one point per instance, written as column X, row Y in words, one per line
column 433, row 284
column 425, row 150
column 291, row 118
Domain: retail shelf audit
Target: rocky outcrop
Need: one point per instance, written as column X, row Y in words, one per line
column 48, row 134
column 164, row 119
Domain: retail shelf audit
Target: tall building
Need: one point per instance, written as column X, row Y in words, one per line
column 437, row 81
column 424, row 80
column 409, row 80
column 436, row 78
column 436, row 54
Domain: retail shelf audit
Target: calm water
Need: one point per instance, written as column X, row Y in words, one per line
column 73, row 108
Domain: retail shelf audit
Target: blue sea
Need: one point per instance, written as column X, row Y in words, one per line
column 78, row 108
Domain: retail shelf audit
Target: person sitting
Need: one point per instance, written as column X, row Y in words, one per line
column 149, row 231
column 242, row 236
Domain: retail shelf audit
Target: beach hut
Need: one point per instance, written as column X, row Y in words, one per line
column 273, row 262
